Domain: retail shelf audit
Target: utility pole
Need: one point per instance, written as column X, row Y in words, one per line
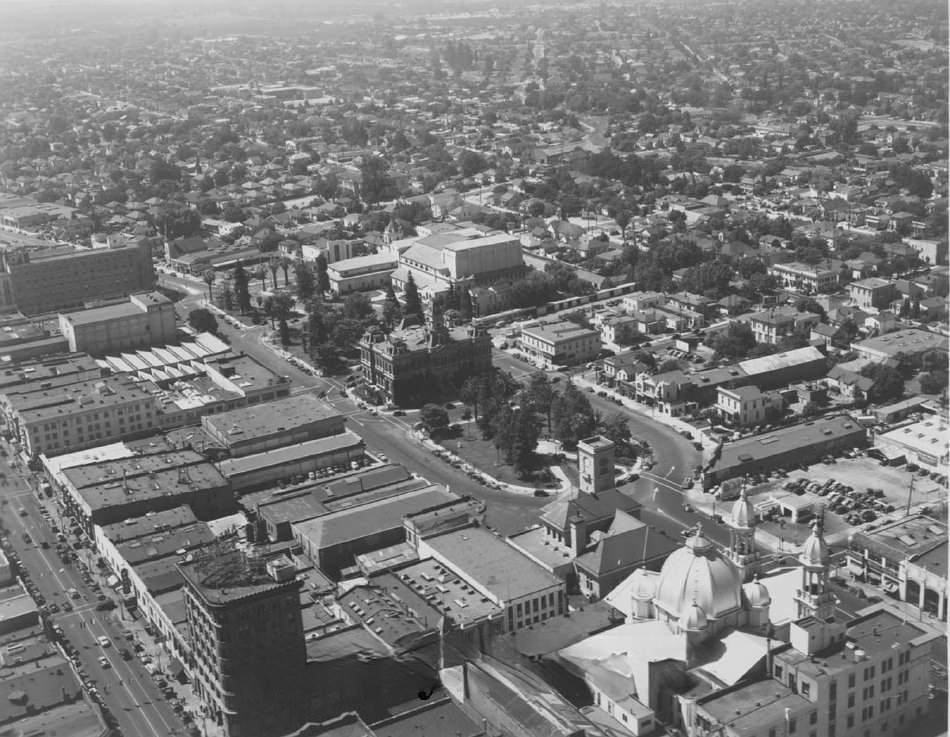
column 910, row 494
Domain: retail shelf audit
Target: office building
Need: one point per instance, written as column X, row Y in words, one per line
column 746, row 405
column 872, row 293
column 61, row 277
column 774, row 325
column 910, row 342
column 805, row 277
column 559, row 344
column 145, row 320
column 246, row 635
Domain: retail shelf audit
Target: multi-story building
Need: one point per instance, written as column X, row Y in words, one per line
column 467, row 257
column 247, row 644
column 909, row 343
column 417, row 363
column 907, row 559
column 745, row 405
column 872, row 292
column 62, row 277
column 62, row 419
column 523, row 589
column 145, row 320
column 805, row 277
column 362, row 273
column 559, row 343
column 772, row 326
column 619, row 329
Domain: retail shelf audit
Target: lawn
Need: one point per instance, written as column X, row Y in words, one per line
column 483, row 455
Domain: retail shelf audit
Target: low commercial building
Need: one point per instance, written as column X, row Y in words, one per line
column 272, row 425
column 146, row 319
column 925, row 443
column 803, row 443
column 257, row 470
column 106, row 537
column 524, row 590
column 909, row 342
column 907, row 559
column 559, row 344
column 334, row 540
column 417, row 363
column 115, row 490
column 362, row 273
column 873, row 292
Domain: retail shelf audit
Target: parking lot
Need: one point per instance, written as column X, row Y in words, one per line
column 857, row 491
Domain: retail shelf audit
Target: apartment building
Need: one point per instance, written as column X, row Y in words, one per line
column 772, row 326
column 746, row 405
column 872, row 293
column 805, row 277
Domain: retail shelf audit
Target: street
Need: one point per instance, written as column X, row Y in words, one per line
column 125, row 687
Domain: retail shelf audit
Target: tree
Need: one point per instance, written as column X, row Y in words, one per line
column 261, row 274
column 316, row 326
column 540, row 395
column 375, row 182
column 670, row 364
column 357, row 306
column 471, row 391
column 933, row 382
column 434, row 419
column 392, row 311
column 203, row 321
column 305, row 281
column 274, row 265
column 523, row 441
column 573, row 417
column 411, row 304
column 888, row 383
column 616, row 429
column 242, row 293
column 285, row 267
column 323, row 279
column 465, row 304
column 734, row 343
column 209, row 278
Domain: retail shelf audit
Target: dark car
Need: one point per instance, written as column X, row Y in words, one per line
column 105, row 606
column 126, row 655
column 541, row 493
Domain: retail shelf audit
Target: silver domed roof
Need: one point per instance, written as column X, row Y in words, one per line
column 756, row 593
column 815, row 550
column 743, row 513
column 697, row 573
column 693, row 619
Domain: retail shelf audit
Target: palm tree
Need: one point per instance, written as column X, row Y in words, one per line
column 261, row 274
column 209, row 277
column 274, row 265
column 285, row 265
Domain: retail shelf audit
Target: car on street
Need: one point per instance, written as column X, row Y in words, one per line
column 126, row 655
column 104, row 661
column 104, row 641
column 689, row 507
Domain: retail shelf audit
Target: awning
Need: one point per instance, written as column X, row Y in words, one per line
column 874, row 577
column 891, row 587
column 855, row 568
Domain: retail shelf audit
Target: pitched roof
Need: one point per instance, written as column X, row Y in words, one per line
column 588, row 507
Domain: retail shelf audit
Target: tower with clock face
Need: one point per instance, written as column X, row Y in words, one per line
column 595, row 460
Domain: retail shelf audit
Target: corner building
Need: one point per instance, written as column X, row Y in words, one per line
column 248, row 653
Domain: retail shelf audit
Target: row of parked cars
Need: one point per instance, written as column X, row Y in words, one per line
column 854, row 505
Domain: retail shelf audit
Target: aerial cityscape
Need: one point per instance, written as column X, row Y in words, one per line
column 483, row 369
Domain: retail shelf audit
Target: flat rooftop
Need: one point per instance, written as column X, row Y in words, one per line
column 491, row 563
column 557, row 332
column 116, row 492
column 224, row 576
column 115, row 469
column 770, row 444
column 903, row 341
column 57, row 402
column 113, row 312
column 149, row 524
column 232, row 467
column 163, row 544
column 444, row 593
column 269, row 418
column 369, row 519
column 747, row 709
column 880, row 630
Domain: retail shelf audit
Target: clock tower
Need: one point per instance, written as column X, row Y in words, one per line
column 595, row 461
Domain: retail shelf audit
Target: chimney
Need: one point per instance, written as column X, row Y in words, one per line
column 578, row 534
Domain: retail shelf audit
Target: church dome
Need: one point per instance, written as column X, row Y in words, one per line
column 756, row 594
column 815, row 549
column 697, row 573
column 693, row 619
column 743, row 513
